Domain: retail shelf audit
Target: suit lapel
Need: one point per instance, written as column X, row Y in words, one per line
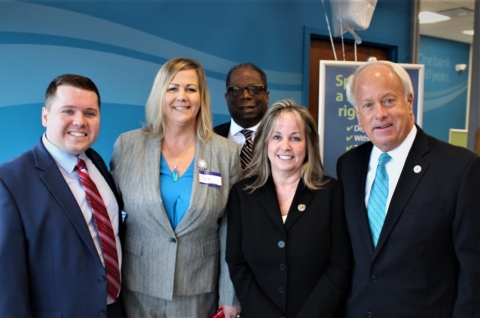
column 203, row 150
column 223, row 130
column 300, row 204
column 55, row 182
column 268, row 200
column 360, row 180
column 151, row 184
column 406, row 185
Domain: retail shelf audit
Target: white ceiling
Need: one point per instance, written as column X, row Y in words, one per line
column 453, row 28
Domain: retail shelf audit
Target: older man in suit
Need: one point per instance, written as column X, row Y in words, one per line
column 60, row 251
column 247, row 100
column 412, row 208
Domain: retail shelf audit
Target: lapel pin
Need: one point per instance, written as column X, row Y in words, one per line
column 202, row 164
column 301, row 207
column 417, row 169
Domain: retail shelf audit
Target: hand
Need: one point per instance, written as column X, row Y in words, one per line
column 230, row 311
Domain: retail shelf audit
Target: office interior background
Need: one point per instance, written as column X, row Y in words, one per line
column 121, row 44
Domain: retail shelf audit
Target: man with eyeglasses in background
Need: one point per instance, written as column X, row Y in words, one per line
column 247, row 100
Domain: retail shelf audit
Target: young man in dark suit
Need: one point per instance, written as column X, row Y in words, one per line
column 60, row 215
column 413, row 221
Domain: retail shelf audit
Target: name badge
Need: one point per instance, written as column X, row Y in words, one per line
column 210, row 178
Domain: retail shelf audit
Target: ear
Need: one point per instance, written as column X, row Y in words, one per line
column 358, row 116
column 44, row 117
column 410, row 103
column 267, row 93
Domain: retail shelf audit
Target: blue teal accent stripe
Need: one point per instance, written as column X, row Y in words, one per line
column 42, row 39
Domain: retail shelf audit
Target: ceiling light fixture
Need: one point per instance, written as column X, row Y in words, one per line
column 431, row 17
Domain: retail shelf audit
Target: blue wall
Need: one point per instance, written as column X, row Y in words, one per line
column 445, row 90
column 121, row 45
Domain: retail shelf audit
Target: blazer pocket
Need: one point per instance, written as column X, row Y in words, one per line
column 425, row 207
column 132, row 246
column 210, row 248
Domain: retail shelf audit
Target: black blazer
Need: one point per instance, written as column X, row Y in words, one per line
column 300, row 269
column 222, row 129
column 427, row 261
column 49, row 261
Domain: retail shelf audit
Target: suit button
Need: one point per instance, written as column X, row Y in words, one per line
column 173, row 240
column 102, row 313
column 369, row 314
column 374, row 278
column 281, row 244
column 101, row 279
column 281, row 290
column 282, row 267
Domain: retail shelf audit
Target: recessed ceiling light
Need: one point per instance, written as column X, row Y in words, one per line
column 468, row 32
column 431, row 17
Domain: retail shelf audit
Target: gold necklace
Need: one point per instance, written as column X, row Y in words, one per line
column 287, row 196
column 175, row 171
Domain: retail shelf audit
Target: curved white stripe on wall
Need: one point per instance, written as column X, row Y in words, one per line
column 103, row 31
column 440, row 98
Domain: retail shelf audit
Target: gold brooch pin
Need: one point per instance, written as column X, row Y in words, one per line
column 301, row 207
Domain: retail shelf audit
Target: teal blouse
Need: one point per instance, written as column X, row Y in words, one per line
column 175, row 195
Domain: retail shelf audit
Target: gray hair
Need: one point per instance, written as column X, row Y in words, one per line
column 397, row 69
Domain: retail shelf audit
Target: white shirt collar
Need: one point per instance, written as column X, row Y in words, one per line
column 400, row 153
column 235, row 128
column 63, row 159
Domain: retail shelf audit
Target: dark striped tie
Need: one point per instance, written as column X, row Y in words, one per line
column 246, row 153
column 104, row 228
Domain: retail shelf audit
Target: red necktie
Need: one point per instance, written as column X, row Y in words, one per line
column 104, row 228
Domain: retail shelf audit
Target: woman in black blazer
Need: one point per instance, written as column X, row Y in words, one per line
column 288, row 249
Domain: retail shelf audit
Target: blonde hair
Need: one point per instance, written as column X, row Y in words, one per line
column 154, row 108
column 312, row 170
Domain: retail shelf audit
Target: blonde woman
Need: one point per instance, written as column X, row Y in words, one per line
column 288, row 248
column 174, row 175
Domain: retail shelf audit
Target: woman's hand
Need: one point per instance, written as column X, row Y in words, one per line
column 231, row 311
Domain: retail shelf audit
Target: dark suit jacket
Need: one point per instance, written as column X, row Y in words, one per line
column 300, row 269
column 476, row 144
column 427, row 261
column 222, row 129
column 49, row 264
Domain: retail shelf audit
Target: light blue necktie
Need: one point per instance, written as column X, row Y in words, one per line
column 377, row 201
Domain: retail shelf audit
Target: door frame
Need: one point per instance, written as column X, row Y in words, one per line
column 322, row 33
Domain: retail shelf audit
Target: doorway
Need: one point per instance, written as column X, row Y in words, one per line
column 321, row 49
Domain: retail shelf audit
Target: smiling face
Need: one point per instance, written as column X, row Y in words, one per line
column 382, row 109
column 247, row 110
column 287, row 146
column 182, row 99
column 72, row 119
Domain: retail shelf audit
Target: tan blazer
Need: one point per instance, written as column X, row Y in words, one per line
column 159, row 261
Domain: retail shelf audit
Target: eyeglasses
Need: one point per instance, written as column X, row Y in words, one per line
column 238, row 90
